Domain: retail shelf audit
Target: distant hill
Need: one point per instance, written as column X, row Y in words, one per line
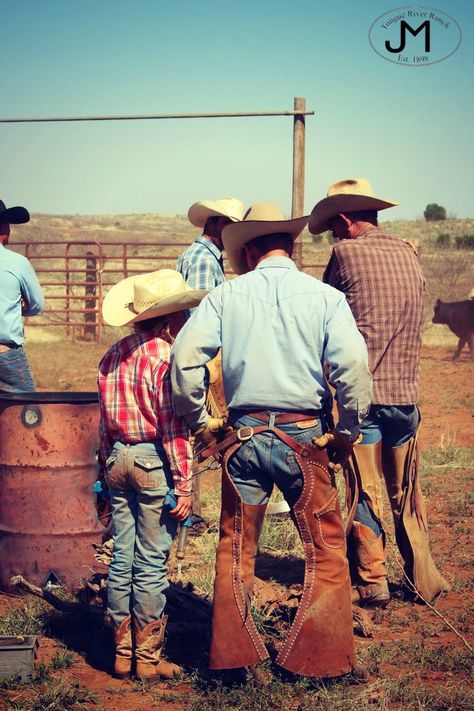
column 105, row 228
column 176, row 228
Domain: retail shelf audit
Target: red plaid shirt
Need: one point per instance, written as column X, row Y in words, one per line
column 135, row 403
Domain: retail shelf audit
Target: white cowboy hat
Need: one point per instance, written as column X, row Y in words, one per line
column 147, row 296
column 225, row 207
column 263, row 218
column 349, row 195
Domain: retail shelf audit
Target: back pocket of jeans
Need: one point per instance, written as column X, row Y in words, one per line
column 148, row 473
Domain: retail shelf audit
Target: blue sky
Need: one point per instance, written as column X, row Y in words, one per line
column 409, row 130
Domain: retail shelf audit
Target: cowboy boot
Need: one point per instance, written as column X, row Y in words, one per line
column 400, row 468
column 365, row 548
column 368, row 558
column 235, row 640
column 123, row 648
column 151, row 665
column 320, row 642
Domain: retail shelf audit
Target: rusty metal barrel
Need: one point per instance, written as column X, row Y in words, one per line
column 48, row 466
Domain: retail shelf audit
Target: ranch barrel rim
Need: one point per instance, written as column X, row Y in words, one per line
column 73, row 397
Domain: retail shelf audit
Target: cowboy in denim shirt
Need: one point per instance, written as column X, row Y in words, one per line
column 20, row 295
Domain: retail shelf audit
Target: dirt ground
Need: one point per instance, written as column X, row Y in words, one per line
column 412, row 645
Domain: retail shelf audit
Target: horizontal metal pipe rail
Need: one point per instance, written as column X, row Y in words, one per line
column 155, row 117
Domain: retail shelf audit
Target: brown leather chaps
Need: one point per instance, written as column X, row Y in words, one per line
column 320, row 641
column 399, row 467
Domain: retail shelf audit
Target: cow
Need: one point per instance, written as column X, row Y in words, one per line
column 459, row 317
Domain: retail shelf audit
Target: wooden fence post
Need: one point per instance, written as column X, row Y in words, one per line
column 297, row 205
column 90, row 319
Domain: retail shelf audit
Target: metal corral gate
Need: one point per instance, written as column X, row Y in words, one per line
column 75, row 276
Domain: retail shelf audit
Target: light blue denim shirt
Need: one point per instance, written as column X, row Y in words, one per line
column 18, row 281
column 277, row 328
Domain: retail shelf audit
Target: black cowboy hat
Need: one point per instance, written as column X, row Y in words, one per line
column 13, row 215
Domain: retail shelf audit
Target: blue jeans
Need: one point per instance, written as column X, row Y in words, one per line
column 15, row 373
column 394, row 425
column 264, row 460
column 139, row 478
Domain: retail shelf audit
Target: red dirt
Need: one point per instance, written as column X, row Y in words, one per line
column 447, row 404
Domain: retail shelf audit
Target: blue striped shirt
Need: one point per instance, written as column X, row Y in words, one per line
column 18, row 281
column 201, row 265
column 278, row 328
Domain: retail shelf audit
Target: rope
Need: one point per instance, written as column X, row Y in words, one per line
column 411, row 585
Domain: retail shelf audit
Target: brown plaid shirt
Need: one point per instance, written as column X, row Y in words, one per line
column 383, row 283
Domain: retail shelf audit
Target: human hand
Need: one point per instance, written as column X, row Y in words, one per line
column 210, row 434
column 339, row 447
column 183, row 508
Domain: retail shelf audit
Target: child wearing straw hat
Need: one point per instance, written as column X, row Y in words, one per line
column 145, row 451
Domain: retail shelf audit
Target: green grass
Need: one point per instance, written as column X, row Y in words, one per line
column 307, row 695
column 43, row 691
column 57, row 696
column 280, row 534
column 447, row 455
column 29, row 619
column 42, row 672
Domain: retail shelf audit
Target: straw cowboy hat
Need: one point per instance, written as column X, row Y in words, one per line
column 147, row 296
column 225, row 207
column 264, row 218
column 13, row 215
column 348, row 195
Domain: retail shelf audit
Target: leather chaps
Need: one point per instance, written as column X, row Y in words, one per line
column 399, row 466
column 320, row 641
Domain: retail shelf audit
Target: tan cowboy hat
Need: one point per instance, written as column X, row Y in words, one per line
column 225, row 207
column 348, row 195
column 147, row 296
column 263, row 218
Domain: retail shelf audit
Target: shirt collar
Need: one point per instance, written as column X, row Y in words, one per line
column 276, row 261
column 372, row 228
column 210, row 246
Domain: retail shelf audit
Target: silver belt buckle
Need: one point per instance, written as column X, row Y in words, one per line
column 244, row 434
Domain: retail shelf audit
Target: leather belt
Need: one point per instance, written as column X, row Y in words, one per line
column 4, row 347
column 245, row 433
column 285, row 418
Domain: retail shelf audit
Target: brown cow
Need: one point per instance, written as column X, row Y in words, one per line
column 459, row 317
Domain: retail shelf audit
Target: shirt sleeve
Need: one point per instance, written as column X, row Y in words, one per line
column 197, row 343
column 31, row 291
column 346, row 355
column 174, row 436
